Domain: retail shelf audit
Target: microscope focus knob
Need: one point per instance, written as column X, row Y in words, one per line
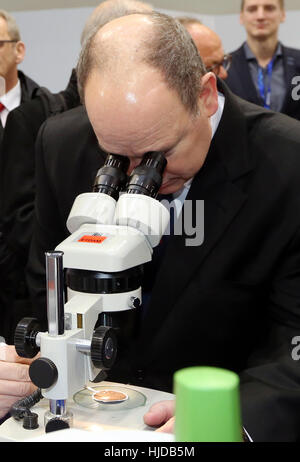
column 43, row 373
column 104, row 347
column 24, row 339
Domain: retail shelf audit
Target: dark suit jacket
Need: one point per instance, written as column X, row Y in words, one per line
column 240, row 81
column 28, row 87
column 234, row 301
column 17, row 194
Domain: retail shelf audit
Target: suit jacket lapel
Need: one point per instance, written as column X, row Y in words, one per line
column 226, row 160
column 248, row 90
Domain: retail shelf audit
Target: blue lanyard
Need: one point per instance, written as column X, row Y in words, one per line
column 266, row 96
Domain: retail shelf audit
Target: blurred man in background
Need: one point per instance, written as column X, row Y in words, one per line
column 262, row 69
column 209, row 46
column 15, row 86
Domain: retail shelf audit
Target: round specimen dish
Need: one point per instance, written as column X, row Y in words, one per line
column 110, row 396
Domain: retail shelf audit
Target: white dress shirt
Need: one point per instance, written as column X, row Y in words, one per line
column 10, row 100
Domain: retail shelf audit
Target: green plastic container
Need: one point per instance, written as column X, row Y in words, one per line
column 207, row 405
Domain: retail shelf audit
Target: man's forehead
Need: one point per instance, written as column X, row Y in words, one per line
column 137, row 92
column 119, row 130
column 136, row 127
column 261, row 3
column 3, row 27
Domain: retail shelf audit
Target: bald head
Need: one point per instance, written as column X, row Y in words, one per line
column 208, row 43
column 145, row 89
column 109, row 10
column 121, row 48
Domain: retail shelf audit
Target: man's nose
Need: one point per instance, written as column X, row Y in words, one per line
column 261, row 14
column 133, row 163
column 223, row 74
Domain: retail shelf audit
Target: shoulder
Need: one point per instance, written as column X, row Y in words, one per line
column 238, row 53
column 291, row 52
column 28, row 85
column 67, row 137
column 269, row 138
column 69, row 125
column 34, row 105
column 270, row 126
column 29, row 114
column 274, row 139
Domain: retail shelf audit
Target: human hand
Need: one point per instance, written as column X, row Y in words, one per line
column 161, row 414
column 14, row 378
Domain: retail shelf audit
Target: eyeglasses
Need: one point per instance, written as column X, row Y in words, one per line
column 226, row 62
column 2, row 42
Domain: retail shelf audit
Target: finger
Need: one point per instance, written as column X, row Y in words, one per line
column 168, row 427
column 8, row 353
column 6, row 402
column 159, row 413
column 18, row 389
column 14, row 371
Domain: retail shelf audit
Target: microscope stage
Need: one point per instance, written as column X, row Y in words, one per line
column 99, row 418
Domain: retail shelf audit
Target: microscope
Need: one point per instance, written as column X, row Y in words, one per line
column 113, row 232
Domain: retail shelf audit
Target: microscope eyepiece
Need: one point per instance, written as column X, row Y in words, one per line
column 112, row 177
column 146, row 178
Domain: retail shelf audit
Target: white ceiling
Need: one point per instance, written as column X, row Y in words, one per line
column 193, row 6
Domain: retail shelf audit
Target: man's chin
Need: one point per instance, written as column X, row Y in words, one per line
column 261, row 34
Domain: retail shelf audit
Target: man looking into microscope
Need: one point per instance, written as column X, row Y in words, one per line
column 152, row 93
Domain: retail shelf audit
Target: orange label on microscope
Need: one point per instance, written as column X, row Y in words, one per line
column 92, row 239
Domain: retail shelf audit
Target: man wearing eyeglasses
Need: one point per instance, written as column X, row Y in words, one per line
column 15, row 87
column 209, row 46
column 263, row 71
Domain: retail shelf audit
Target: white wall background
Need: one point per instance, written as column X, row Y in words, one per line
column 52, row 39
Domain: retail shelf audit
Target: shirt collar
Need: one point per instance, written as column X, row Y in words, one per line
column 250, row 56
column 215, row 119
column 12, row 98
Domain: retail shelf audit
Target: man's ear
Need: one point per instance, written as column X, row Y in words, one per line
column 209, row 94
column 283, row 17
column 20, row 52
column 241, row 19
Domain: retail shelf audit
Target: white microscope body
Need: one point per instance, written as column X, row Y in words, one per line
column 111, row 238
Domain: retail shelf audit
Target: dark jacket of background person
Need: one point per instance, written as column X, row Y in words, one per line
column 240, row 81
column 28, row 88
column 232, row 302
column 17, row 194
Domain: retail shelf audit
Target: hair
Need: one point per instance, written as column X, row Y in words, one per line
column 170, row 49
column 281, row 4
column 188, row 21
column 12, row 27
column 109, row 10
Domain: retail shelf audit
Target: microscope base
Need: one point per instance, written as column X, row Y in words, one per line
column 100, row 423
